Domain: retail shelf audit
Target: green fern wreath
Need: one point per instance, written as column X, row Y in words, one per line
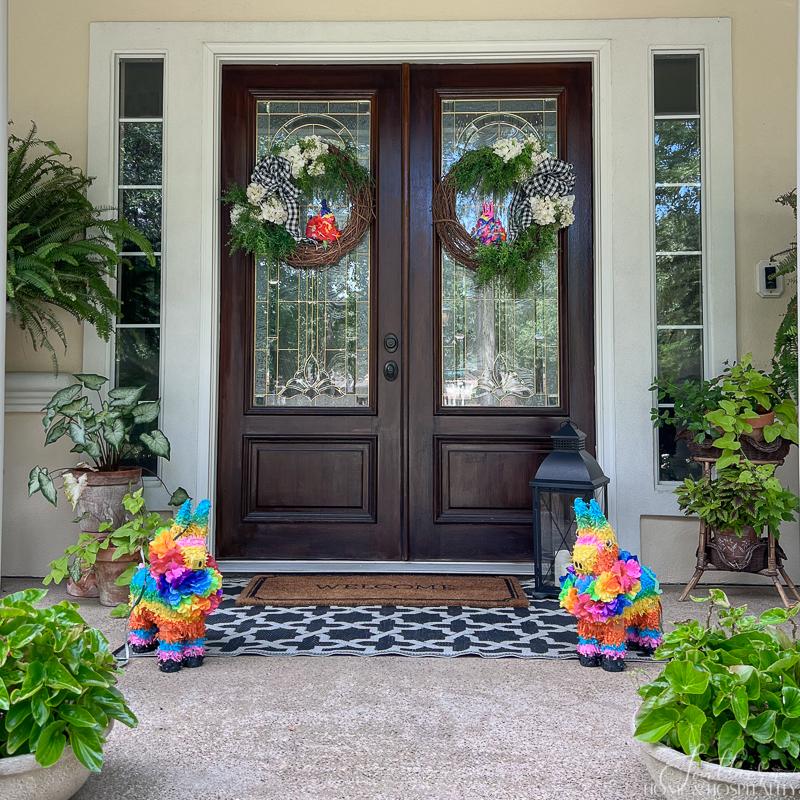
column 541, row 204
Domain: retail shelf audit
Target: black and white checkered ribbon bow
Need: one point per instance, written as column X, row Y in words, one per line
column 274, row 174
column 553, row 178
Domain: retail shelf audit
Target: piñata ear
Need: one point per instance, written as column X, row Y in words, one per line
column 184, row 515
column 597, row 513
column 200, row 516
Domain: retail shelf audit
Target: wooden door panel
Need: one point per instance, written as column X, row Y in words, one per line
column 482, row 453
column 339, row 483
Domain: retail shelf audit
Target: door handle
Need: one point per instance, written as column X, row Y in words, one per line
column 391, row 370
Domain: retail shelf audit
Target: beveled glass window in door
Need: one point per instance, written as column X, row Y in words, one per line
column 498, row 348
column 312, row 326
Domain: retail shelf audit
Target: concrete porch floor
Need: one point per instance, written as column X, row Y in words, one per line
column 345, row 728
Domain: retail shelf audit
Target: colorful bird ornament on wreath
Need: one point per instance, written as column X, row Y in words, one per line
column 488, row 229
column 322, row 227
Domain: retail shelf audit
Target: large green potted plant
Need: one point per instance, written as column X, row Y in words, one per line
column 108, row 432
column 784, row 358
column 742, row 410
column 723, row 717
column 738, row 506
column 58, row 698
column 115, row 555
column 62, row 250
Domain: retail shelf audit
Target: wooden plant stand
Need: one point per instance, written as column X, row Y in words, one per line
column 774, row 562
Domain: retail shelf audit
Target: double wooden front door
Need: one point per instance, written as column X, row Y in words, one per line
column 386, row 408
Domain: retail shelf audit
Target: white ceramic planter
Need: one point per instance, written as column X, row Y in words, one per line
column 21, row 777
column 677, row 777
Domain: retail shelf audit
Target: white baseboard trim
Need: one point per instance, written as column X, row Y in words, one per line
column 31, row 391
column 423, row 567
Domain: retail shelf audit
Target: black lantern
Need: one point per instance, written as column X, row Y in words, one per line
column 566, row 473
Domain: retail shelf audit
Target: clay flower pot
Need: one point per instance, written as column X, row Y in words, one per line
column 108, row 571
column 759, row 423
column 101, row 498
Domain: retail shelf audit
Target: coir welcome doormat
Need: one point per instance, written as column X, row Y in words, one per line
column 476, row 591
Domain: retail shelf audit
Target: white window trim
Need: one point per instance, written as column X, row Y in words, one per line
column 619, row 51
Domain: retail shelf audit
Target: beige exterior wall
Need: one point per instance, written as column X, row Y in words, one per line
column 48, row 71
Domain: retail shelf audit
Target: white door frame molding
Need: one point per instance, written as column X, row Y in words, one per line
column 619, row 51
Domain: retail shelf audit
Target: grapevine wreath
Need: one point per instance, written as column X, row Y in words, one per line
column 541, row 189
column 265, row 216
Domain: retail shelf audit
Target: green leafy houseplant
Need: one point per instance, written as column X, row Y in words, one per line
column 103, row 430
column 61, row 248
column 724, row 408
column 730, row 694
column 740, row 497
column 57, row 682
column 129, row 542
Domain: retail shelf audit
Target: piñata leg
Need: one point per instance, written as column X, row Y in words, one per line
column 170, row 647
column 612, row 646
column 648, row 629
column 194, row 644
column 141, row 632
column 588, row 644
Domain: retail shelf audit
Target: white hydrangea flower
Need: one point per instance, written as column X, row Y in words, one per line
column 507, row 148
column 304, row 155
column 255, row 194
column 273, row 210
column 544, row 210
column 566, row 216
column 535, row 142
column 73, row 487
column 236, row 214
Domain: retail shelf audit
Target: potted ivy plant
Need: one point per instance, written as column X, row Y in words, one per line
column 723, row 718
column 103, row 431
column 116, row 555
column 58, row 698
column 738, row 505
column 743, row 410
column 61, row 249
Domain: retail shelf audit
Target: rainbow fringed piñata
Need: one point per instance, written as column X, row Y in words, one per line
column 173, row 596
column 614, row 598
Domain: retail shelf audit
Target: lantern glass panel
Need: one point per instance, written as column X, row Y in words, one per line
column 558, row 530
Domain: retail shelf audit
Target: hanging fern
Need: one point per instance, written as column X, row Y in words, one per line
column 61, row 249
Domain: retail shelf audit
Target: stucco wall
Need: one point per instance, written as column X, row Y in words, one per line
column 49, row 53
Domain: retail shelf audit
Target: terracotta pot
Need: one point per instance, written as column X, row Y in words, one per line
column 85, row 586
column 101, row 498
column 759, row 423
column 107, row 573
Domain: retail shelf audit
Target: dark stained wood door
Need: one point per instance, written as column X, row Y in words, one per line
column 310, row 451
column 492, row 375
column 320, row 456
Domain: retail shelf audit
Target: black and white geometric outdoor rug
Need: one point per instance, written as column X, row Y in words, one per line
column 541, row 631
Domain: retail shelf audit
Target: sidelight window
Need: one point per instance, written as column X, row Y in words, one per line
column 679, row 240
column 140, row 149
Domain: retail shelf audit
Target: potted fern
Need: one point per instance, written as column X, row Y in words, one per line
column 62, row 250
